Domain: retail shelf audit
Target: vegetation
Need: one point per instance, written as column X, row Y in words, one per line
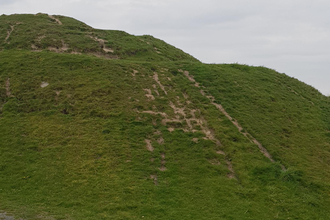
column 77, row 148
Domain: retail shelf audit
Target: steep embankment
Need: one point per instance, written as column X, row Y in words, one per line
column 84, row 137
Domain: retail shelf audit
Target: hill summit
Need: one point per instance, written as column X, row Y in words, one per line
column 101, row 124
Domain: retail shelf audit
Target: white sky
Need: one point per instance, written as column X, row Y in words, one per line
column 290, row 36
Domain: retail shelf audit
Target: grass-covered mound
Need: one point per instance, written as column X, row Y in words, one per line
column 153, row 134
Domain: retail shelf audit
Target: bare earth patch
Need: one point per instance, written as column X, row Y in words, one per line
column 191, row 79
column 8, row 94
column 55, row 19
column 44, row 84
column 149, row 146
column 155, row 77
column 149, row 95
column 195, row 140
column 160, row 140
column 135, row 72
column 9, row 33
column 220, row 152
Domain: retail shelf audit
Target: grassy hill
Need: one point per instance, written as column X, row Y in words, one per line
column 98, row 124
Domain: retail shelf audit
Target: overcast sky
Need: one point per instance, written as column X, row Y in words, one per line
column 290, row 36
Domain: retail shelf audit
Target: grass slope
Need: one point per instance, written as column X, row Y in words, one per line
column 77, row 148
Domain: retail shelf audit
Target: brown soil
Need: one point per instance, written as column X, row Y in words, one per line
column 135, row 72
column 191, row 79
column 195, row 140
column 149, row 95
column 177, row 110
column 55, row 19
column 155, row 77
column 220, row 152
column 44, row 84
column 149, row 146
column 157, row 50
column 161, row 140
column 9, row 33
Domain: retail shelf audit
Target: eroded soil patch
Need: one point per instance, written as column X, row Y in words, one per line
column 149, row 146
column 56, row 20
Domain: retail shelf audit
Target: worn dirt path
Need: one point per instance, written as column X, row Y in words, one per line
column 8, row 93
column 9, row 33
column 262, row 149
column 55, row 19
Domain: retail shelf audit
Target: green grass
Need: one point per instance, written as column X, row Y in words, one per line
column 82, row 154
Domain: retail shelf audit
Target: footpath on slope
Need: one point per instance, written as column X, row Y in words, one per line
column 55, row 19
column 262, row 149
column 12, row 27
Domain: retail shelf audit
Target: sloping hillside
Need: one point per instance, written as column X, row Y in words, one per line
column 101, row 124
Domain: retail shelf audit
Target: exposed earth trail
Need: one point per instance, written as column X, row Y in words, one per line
column 262, row 149
column 9, row 33
column 55, row 19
